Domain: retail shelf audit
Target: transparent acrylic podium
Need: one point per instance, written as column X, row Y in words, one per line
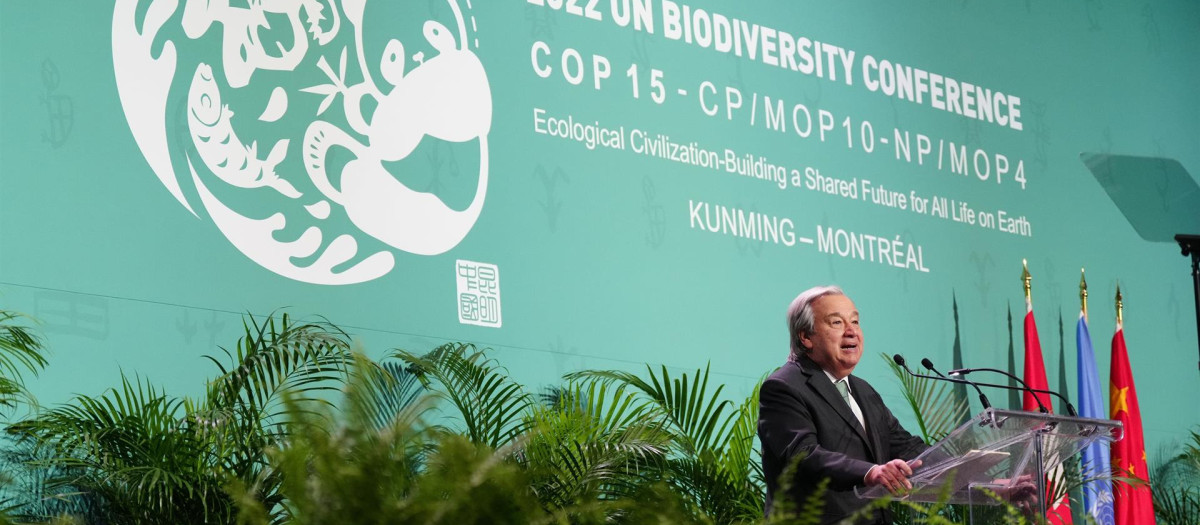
column 1001, row 455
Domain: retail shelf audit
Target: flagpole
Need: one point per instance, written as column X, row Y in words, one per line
column 1083, row 294
column 1025, row 278
column 1043, row 505
column 1095, row 457
column 1120, row 306
column 1190, row 245
column 1133, row 505
column 1057, row 512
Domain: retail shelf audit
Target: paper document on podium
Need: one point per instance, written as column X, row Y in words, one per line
column 948, row 476
column 972, row 467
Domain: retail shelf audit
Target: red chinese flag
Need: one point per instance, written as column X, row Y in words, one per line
column 1131, row 505
column 1058, row 512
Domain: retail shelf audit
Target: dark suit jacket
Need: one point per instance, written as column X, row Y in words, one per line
column 801, row 412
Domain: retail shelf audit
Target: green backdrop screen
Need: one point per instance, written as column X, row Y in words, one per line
column 593, row 184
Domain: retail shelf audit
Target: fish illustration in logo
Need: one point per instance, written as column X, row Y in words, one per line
column 209, row 122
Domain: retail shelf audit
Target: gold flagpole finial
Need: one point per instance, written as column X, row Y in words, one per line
column 1083, row 294
column 1025, row 278
column 1120, row 306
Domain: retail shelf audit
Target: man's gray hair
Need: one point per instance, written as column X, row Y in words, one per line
column 800, row 315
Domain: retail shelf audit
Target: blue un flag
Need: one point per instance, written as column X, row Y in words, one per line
column 1097, row 493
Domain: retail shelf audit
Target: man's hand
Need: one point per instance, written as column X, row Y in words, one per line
column 892, row 475
column 1022, row 493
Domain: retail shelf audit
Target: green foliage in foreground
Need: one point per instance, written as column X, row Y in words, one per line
column 1176, row 486
column 407, row 471
column 136, row 454
column 295, row 428
column 21, row 351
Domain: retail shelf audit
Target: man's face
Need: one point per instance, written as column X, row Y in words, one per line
column 836, row 341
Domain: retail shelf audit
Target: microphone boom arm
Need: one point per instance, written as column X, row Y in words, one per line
column 965, row 371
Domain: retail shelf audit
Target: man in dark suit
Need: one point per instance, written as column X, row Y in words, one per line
column 813, row 408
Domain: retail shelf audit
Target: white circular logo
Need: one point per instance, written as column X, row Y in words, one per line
column 296, row 132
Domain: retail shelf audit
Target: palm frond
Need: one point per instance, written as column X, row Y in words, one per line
column 575, row 472
column 713, row 463
column 20, row 348
column 596, row 442
column 1176, row 507
column 1176, row 487
column 1191, row 451
column 699, row 420
column 148, row 457
column 740, row 456
column 21, row 351
column 304, row 359
column 719, row 493
column 26, row 494
column 785, row 511
column 742, row 459
column 491, row 404
column 332, row 468
column 130, row 448
column 937, row 409
column 379, row 393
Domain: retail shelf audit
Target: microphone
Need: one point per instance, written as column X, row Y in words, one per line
column 962, row 372
column 925, row 362
column 899, row 359
column 957, row 377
